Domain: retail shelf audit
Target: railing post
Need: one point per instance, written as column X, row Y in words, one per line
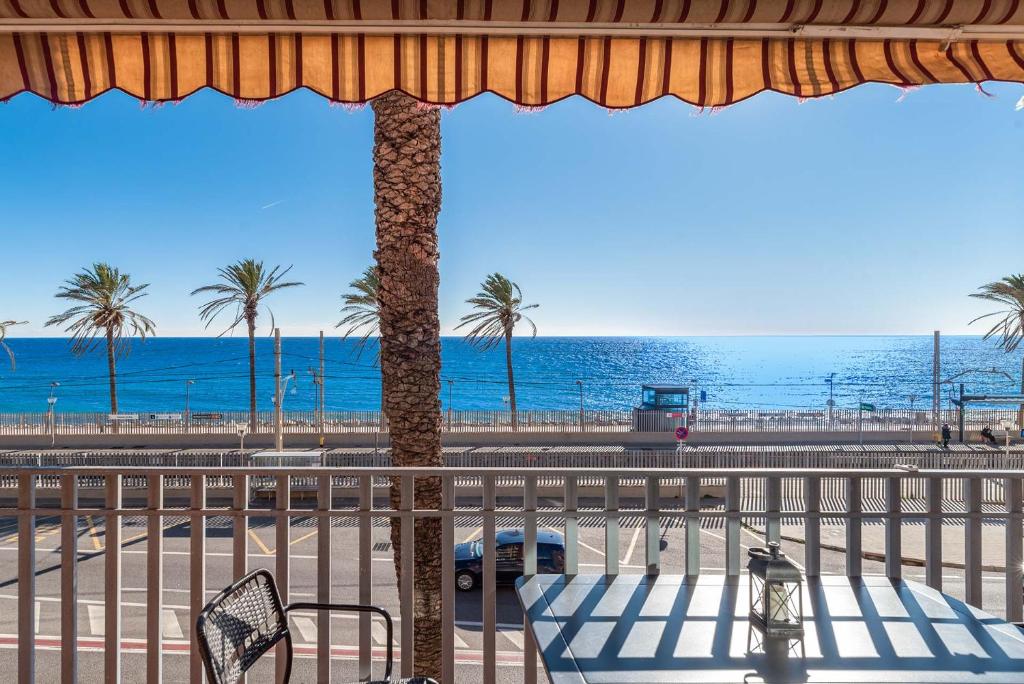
column 692, row 526
column 893, row 529
column 448, row 578
column 972, row 542
column 733, row 524
column 197, row 570
column 323, row 579
column 529, row 569
column 365, row 573
column 1012, row 491
column 69, row 580
column 933, row 533
column 652, row 524
column 407, row 585
column 611, row 525
column 853, row 527
column 26, row 579
column 490, row 592
column 154, row 580
column 572, row 526
column 112, row 590
column 812, row 525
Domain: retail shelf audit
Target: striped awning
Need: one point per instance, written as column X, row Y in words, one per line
column 618, row 53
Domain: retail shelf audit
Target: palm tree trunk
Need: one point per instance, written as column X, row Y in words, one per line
column 252, row 374
column 511, row 380
column 407, row 193
column 112, row 372
column 1020, row 411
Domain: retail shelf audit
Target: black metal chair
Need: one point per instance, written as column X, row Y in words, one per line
column 240, row 624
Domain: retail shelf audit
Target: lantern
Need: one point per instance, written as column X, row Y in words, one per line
column 776, row 601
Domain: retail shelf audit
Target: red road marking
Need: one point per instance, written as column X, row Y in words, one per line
column 181, row 647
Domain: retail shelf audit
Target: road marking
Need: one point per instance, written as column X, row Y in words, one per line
column 632, row 545
column 95, row 619
column 304, row 537
column 472, row 535
column 306, row 627
column 93, row 533
column 380, row 635
column 39, row 609
column 580, row 543
column 459, row 643
column 170, row 628
column 259, row 543
column 516, row 637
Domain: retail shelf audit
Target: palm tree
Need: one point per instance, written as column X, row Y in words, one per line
column 4, row 325
column 407, row 195
column 1008, row 293
column 499, row 307
column 362, row 309
column 246, row 284
column 104, row 298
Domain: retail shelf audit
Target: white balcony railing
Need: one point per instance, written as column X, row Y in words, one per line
column 608, row 496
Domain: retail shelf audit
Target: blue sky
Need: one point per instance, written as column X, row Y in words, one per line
column 865, row 213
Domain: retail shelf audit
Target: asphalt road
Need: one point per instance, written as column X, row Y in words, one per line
column 469, row 640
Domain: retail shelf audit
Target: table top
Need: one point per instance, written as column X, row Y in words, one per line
column 669, row 628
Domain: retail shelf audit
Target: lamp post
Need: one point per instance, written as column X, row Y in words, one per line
column 188, row 419
column 450, row 383
column 278, row 401
column 583, row 426
column 831, row 381
column 52, row 402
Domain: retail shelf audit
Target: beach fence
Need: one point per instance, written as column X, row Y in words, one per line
column 340, row 422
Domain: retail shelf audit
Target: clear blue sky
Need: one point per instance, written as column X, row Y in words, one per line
column 861, row 213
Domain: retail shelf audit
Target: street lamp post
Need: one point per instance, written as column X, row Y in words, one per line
column 831, row 381
column 450, row 383
column 278, row 400
column 52, row 402
column 583, row 426
column 188, row 415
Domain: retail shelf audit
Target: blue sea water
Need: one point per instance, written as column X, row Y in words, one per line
column 736, row 372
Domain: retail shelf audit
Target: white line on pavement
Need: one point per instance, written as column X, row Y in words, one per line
column 170, row 628
column 306, row 627
column 632, row 545
column 95, row 619
column 515, row 636
column 39, row 609
column 380, row 635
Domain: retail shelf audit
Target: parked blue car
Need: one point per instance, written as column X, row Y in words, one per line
column 469, row 558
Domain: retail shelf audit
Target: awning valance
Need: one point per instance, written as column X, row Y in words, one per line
column 618, row 53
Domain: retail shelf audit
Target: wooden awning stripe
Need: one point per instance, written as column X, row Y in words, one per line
column 531, row 70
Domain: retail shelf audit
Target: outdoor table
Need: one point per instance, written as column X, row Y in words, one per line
column 670, row 628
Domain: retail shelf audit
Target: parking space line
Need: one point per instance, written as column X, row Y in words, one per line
column 304, row 537
column 516, row 637
column 93, row 533
column 632, row 545
column 380, row 635
column 306, row 627
column 95, row 619
column 39, row 610
column 260, row 544
column 170, row 628
column 472, row 535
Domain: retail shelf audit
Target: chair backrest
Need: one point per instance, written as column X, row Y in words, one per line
column 239, row 625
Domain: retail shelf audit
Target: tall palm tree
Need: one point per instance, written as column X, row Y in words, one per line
column 1008, row 293
column 499, row 307
column 362, row 309
column 104, row 297
column 4, row 325
column 407, row 195
column 362, row 317
column 246, row 284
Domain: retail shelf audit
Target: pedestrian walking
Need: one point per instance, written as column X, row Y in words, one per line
column 947, row 434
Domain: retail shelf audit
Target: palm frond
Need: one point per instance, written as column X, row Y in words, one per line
column 246, row 285
column 499, row 306
column 1008, row 293
column 362, row 310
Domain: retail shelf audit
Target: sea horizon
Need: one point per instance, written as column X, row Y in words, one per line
column 734, row 371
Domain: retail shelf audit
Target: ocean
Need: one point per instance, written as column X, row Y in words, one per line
column 735, row 372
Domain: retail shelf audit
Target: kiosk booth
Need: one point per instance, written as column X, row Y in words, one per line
column 662, row 408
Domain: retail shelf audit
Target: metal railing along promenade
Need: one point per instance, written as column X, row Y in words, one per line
column 339, row 422
column 812, row 511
